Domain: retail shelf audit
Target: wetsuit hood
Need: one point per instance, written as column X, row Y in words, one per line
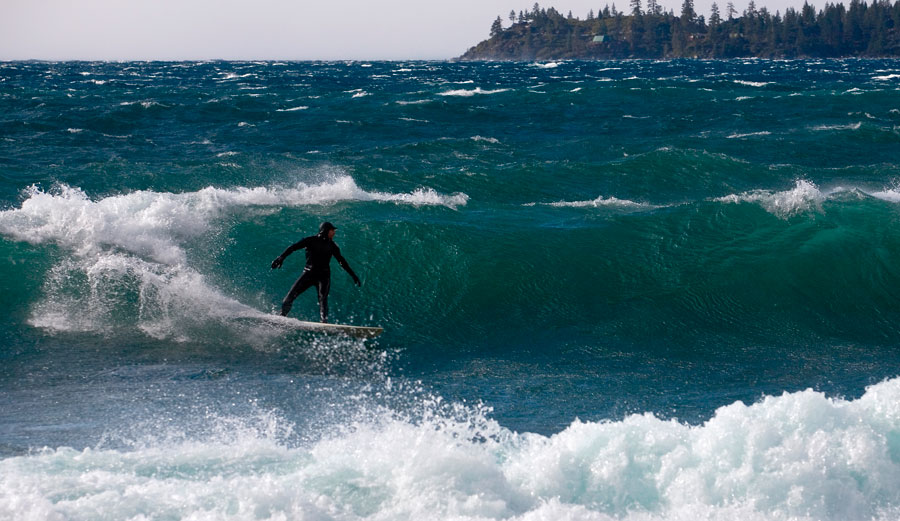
column 326, row 227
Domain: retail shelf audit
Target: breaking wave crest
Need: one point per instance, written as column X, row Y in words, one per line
column 804, row 197
column 798, row 456
column 131, row 254
column 599, row 202
column 469, row 93
column 153, row 223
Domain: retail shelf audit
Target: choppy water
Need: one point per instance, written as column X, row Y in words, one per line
column 610, row 290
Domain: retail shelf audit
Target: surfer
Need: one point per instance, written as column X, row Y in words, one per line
column 319, row 250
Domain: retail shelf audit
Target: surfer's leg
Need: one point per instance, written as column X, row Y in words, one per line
column 302, row 284
column 324, row 288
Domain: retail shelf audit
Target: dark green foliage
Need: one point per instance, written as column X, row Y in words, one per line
column 858, row 30
column 714, row 17
column 496, row 27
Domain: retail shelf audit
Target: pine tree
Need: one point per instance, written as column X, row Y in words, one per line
column 729, row 8
column 512, row 16
column 714, row 18
column 866, row 30
column 496, row 27
column 687, row 11
column 635, row 7
column 751, row 9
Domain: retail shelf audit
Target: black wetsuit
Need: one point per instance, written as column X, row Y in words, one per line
column 319, row 250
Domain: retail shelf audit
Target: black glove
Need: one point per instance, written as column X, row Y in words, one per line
column 277, row 263
column 356, row 281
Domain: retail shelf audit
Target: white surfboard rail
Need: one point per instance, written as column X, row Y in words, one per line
column 319, row 327
column 341, row 329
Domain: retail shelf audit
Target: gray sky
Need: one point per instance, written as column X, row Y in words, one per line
column 270, row 29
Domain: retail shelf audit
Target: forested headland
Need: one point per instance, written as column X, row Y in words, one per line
column 857, row 30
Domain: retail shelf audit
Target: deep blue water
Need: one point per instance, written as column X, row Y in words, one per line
column 649, row 290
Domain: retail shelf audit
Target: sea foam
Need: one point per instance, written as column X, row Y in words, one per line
column 752, row 83
column 891, row 195
column 151, row 223
column 807, row 197
column 472, row 92
column 804, row 197
column 798, row 456
column 599, row 202
column 137, row 243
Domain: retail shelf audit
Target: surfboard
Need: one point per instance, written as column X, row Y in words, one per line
column 341, row 329
column 328, row 329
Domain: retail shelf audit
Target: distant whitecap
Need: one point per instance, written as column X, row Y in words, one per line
column 753, row 83
column 473, row 92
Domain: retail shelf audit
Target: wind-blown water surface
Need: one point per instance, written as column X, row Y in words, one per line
column 614, row 290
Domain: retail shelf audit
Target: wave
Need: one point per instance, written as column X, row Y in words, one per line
column 130, row 262
column 473, row 92
column 146, row 222
column 749, row 134
column 892, row 195
column 598, row 203
column 225, row 76
column 753, row 83
column 849, row 126
column 170, row 302
column 798, row 456
column 145, row 104
column 804, row 197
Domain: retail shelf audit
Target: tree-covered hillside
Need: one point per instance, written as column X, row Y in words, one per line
column 861, row 29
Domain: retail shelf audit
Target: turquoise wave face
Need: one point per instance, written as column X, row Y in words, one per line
column 795, row 263
column 558, row 241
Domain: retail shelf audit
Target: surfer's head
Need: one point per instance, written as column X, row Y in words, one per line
column 326, row 229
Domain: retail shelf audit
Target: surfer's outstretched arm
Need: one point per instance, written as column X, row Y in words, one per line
column 343, row 262
column 291, row 249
